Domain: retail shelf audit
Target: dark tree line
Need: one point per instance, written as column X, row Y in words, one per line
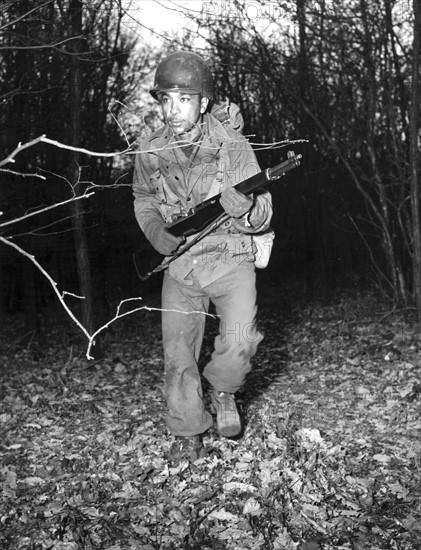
column 67, row 70
column 342, row 76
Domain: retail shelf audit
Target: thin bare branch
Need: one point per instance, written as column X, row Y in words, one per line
column 43, row 46
column 25, row 15
column 128, row 150
column 22, row 174
column 19, row 148
column 41, row 210
column 152, row 31
column 44, row 139
column 60, row 145
column 119, row 125
column 38, row 232
column 61, row 296
column 119, row 315
column 50, row 280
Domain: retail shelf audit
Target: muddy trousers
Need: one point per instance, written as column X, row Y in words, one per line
column 234, row 298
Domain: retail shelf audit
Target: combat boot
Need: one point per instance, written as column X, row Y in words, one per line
column 187, row 448
column 228, row 420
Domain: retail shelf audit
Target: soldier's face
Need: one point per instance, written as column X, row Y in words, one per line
column 183, row 111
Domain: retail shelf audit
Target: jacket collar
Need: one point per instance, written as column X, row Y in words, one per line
column 214, row 135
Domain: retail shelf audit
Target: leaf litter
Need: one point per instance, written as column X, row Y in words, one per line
column 329, row 459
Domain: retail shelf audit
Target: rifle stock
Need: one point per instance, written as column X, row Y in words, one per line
column 208, row 211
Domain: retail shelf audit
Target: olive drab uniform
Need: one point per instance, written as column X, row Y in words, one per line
column 167, row 182
column 171, row 177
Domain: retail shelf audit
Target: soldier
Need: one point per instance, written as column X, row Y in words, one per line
column 193, row 157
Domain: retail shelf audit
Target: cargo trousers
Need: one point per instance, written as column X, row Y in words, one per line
column 183, row 324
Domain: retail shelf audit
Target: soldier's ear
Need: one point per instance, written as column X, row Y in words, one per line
column 204, row 101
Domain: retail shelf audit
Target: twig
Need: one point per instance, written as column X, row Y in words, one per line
column 44, row 139
column 17, row 19
column 51, row 207
column 50, row 280
column 119, row 315
column 21, row 174
column 42, row 46
column 177, row 145
column 119, row 125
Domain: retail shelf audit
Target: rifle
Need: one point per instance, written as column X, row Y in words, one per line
column 209, row 214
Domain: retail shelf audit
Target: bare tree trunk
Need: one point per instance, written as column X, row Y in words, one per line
column 79, row 227
column 414, row 158
column 384, row 215
column 315, row 269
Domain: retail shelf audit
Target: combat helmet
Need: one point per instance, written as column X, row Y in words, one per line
column 183, row 71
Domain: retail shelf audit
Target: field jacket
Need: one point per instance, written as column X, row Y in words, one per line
column 167, row 183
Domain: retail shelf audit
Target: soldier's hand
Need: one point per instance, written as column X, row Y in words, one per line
column 163, row 241
column 234, row 203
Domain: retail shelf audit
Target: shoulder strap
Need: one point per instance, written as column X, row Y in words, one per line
column 228, row 114
column 220, row 181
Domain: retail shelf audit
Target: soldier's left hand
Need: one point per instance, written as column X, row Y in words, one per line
column 234, row 203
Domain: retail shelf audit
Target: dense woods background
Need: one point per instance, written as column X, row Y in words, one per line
column 330, row 457
column 342, row 75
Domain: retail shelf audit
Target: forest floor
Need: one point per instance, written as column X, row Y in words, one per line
column 330, row 457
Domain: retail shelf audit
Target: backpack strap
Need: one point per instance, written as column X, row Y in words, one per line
column 228, row 114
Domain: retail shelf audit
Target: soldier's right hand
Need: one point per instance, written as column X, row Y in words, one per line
column 163, row 241
column 235, row 203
